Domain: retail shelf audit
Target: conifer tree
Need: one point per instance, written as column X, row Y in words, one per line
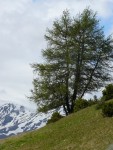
column 78, row 60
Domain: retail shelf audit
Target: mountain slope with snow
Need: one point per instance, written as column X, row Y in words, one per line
column 15, row 119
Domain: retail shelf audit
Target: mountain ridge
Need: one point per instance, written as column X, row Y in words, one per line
column 15, row 119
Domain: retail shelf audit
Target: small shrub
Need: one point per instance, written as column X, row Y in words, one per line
column 55, row 117
column 100, row 104
column 107, row 109
column 80, row 104
column 108, row 92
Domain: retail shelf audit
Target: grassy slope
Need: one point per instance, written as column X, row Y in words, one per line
column 84, row 130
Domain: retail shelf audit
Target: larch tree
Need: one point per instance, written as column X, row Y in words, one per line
column 78, row 60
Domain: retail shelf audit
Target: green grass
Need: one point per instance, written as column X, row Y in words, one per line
column 84, row 130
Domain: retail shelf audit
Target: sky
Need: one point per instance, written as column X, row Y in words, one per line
column 23, row 24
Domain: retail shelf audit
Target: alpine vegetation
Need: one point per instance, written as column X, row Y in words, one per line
column 78, row 60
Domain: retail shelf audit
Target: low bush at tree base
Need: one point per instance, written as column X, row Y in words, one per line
column 80, row 104
column 55, row 117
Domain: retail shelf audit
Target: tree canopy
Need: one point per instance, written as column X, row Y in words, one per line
column 78, row 60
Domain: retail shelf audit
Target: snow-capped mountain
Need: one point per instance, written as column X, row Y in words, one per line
column 15, row 119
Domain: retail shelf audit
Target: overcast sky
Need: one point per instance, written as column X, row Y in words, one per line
column 23, row 24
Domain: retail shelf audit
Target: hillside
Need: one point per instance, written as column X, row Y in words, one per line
column 84, row 130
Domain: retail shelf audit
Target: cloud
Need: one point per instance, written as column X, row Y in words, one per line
column 23, row 24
